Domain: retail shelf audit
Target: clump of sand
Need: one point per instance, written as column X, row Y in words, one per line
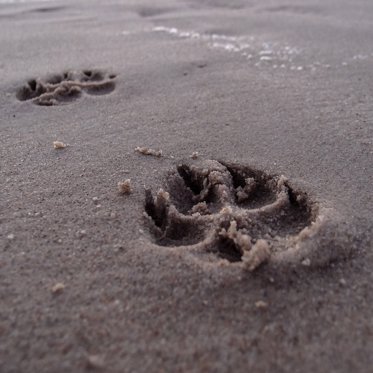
column 200, row 208
column 240, row 240
column 261, row 304
column 58, row 288
column 125, row 187
column 194, row 155
column 258, row 255
column 59, row 145
column 253, row 256
column 148, row 151
column 95, row 362
column 243, row 193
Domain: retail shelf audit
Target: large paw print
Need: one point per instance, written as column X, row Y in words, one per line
column 239, row 213
column 66, row 87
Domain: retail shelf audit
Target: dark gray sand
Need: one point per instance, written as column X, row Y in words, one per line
column 254, row 254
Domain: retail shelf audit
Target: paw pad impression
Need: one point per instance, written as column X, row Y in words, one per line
column 242, row 215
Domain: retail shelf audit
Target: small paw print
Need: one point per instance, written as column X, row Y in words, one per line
column 66, row 87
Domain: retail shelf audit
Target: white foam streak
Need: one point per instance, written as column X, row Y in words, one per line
column 247, row 46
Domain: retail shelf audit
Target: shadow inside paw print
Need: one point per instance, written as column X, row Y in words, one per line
column 66, row 87
column 239, row 213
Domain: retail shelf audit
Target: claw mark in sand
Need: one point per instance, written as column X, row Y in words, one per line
column 66, row 87
column 242, row 215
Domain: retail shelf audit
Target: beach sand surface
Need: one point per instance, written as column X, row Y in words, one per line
column 93, row 277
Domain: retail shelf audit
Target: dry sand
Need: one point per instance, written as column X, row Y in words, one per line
column 279, row 93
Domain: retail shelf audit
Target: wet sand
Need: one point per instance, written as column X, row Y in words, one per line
column 258, row 117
